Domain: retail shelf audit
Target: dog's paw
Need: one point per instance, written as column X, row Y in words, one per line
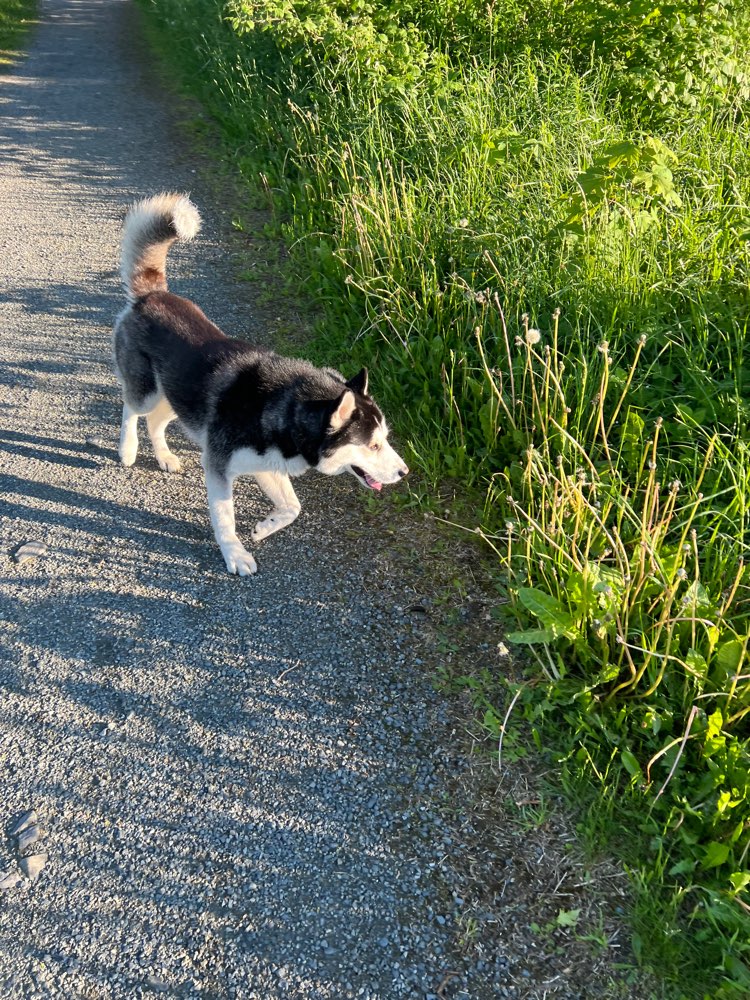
column 239, row 561
column 264, row 528
column 274, row 522
column 127, row 456
column 169, row 462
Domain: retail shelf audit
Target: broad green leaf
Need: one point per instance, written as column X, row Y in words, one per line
column 696, row 662
column 683, row 867
column 531, row 637
column 697, row 597
column 715, row 724
column 549, row 611
column 729, row 655
column 632, row 436
column 715, row 854
column 630, row 763
column 739, row 880
column 738, row 970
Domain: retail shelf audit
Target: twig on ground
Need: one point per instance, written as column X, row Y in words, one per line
column 282, row 675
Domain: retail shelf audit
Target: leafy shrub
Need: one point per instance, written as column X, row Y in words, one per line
column 363, row 36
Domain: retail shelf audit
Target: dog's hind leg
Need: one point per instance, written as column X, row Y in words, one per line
column 128, row 435
column 157, row 421
column 279, row 490
column 221, row 509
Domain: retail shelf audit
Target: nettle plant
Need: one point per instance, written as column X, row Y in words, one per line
column 366, row 37
column 665, row 53
column 626, row 570
column 628, row 182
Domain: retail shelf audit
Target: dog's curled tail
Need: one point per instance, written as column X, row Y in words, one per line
column 151, row 227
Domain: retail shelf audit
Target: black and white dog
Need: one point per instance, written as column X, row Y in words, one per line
column 251, row 411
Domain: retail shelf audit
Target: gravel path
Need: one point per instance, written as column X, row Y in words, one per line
column 238, row 781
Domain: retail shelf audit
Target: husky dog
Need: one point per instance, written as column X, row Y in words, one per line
column 251, row 411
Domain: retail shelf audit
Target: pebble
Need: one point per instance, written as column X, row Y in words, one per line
column 27, row 837
column 156, row 984
column 9, row 880
column 95, row 442
column 25, row 819
column 32, row 865
column 30, row 550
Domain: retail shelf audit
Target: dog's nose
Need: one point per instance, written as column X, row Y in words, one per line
column 403, row 472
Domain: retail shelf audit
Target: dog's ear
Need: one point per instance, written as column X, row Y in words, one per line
column 358, row 384
column 345, row 407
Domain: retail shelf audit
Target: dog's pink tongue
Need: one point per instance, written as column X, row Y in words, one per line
column 373, row 483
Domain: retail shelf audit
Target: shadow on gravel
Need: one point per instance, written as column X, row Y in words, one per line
column 13, row 444
column 102, row 518
column 88, row 302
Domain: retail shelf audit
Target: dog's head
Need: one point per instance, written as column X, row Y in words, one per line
column 357, row 439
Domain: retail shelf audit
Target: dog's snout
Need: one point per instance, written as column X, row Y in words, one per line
column 403, row 472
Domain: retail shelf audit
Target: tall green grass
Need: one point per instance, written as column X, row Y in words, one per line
column 543, row 257
column 16, row 17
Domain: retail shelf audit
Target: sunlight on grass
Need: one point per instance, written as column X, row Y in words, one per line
column 542, row 251
column 16, row 18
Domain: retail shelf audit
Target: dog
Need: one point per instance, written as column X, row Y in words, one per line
column 250, row 410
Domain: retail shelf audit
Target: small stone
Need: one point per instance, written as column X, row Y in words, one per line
column 30, row 550
column 25, row 819
column 9, row 880
column 27, row 837
column 156, row 984
column 32, row 865
column 95, row 442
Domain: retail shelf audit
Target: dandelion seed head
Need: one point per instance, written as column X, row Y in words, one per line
column 463, row 223
column 533, row 336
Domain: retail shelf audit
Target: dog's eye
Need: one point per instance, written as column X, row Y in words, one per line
column 375, row 447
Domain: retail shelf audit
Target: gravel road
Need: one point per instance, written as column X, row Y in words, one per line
column 238, row 781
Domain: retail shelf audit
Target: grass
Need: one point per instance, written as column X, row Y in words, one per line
column 16, row 17
column 547, row 272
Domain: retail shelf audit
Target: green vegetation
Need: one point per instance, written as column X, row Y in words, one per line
column 15, row 18
column 534, row 226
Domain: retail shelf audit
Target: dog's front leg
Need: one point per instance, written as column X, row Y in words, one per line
column 221, row 509
column 280, row 492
